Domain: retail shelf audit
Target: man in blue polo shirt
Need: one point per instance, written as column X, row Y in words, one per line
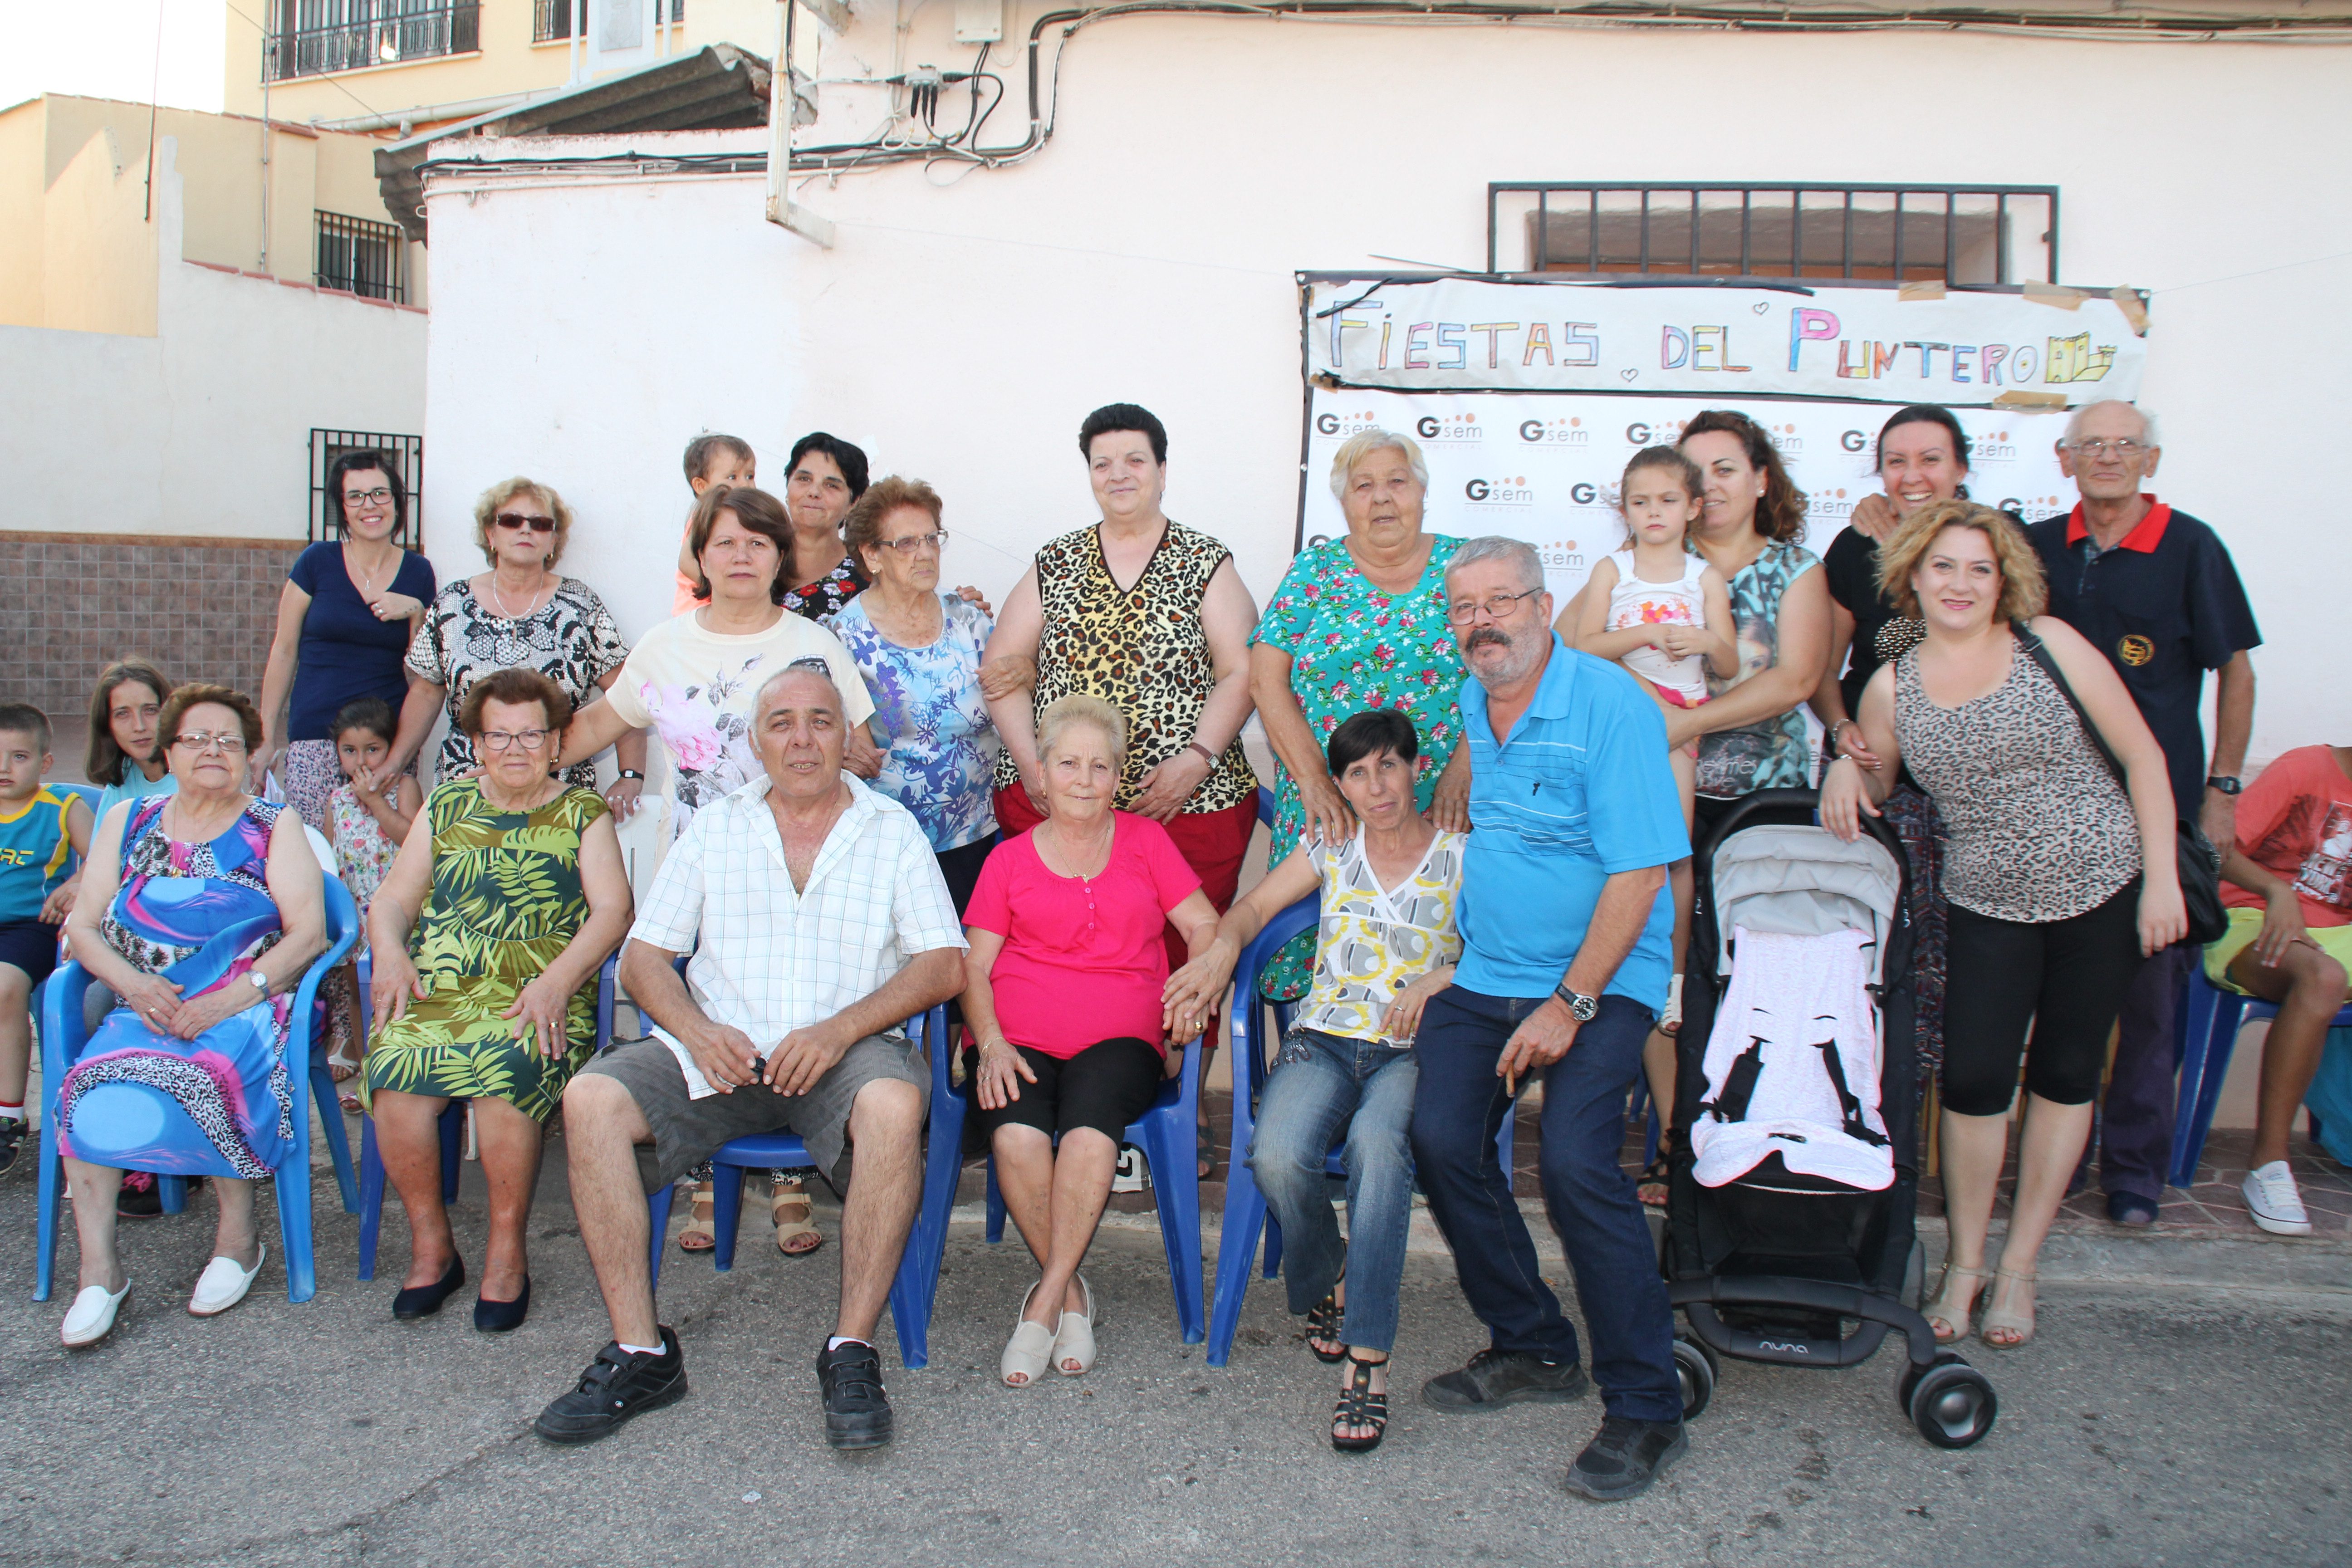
column 1567, row 936
column 2155, row 591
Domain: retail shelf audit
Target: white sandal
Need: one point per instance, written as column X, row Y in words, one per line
column 1029, row 1350
column 1075, row 1340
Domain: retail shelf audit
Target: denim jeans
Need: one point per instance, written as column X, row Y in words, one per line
column 1458, row 1110
column 1321, row 1083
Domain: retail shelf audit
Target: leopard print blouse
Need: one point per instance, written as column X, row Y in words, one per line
column 1143, row 651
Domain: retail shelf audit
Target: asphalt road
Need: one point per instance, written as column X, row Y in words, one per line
column 2185, row 1426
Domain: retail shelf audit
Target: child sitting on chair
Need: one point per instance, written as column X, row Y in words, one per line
column 367, row 829
column 2289, row 942
column 39, row 828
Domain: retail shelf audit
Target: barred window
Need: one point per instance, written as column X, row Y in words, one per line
column 358, row 257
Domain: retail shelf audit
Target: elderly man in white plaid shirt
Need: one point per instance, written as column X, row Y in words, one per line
column 818, row 923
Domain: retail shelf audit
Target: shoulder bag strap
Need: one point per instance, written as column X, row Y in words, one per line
column 2040, row 651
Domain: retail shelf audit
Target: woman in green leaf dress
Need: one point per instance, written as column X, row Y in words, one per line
column 488, row 934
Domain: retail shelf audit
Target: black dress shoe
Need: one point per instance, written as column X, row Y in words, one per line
column 424, row 1301
column 617, row 1385
column 1496, row 1378
column 497, row 1317
column 856, row 1410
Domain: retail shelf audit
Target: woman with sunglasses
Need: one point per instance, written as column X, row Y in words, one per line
column 522, row 614
column 350, row 606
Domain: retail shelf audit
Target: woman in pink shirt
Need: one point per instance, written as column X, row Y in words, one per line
column 1061, row 991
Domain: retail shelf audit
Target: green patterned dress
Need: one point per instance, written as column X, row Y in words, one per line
column 506, row 900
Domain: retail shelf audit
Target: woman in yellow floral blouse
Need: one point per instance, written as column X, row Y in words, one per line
column 513, row 886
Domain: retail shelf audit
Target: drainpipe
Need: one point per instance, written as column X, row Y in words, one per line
column 265, row 171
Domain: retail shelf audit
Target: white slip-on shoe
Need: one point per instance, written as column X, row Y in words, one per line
column 92, row 1317
column 2273, row 1200
column 1073, row 1337
column 223, row 1284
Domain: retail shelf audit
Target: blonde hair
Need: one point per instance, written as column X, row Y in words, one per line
column 504, row 490
column 1083, row 708
column 2024, row 592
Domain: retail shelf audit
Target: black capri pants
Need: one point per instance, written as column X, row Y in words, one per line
column 2067, row 976
column 1104, row 1087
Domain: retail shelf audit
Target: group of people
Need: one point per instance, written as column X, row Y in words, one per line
column 876, row 797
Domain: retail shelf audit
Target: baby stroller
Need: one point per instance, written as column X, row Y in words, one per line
column 1789, row 1232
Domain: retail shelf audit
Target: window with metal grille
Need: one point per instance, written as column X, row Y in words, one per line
column 313, row 37
column 358, row 257
column 551, row 20
column 405, row 453
column 1949, row 234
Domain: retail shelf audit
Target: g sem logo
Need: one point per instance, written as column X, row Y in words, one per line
column 1500, row 492
column 1637, row 434
column 1567, row 432
column 1326, row 423
column 1427, row 425
column 1853, row 440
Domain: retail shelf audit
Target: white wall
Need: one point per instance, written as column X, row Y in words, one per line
column 205, row 427
column 582, row 333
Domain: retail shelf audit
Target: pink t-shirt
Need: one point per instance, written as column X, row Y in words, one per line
column 1084, row 961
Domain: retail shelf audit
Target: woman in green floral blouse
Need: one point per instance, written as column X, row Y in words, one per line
column 513, row 885
column 1359, row 622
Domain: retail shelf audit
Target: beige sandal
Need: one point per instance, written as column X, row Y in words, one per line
column 794, row 1228
column 1947, row 1310
column 698, row 1235
column 2008, row 1319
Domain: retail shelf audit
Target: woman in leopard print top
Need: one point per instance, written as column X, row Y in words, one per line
column 2061, row 877
column 1152, row 617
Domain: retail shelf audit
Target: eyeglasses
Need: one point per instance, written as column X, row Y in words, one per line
column 1500, row 607
column 226, row 745
column 516, row 519
column 505, row 739
column 376, row 497
column 915, row 541
column 2124, row 450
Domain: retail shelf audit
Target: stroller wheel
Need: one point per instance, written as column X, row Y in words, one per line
column 1950, row 1402
column 1694, row 1366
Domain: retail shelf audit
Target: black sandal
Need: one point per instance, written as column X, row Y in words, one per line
column 1360, row 1407
column 1323, row 1324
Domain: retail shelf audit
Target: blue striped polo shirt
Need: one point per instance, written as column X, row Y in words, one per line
column 1580, row 791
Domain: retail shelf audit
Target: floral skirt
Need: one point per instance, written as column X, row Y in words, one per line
column 454, row 1044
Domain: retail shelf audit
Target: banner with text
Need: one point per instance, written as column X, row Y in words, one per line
column 1546, row 468
column 2050, row 347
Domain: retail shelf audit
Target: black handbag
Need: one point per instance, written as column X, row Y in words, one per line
column 2200, row 863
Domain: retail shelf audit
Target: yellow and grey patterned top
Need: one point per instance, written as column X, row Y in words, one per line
column 1375, row 941
column 1143, row 650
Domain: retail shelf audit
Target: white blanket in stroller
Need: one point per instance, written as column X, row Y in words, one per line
column 1792, row 1065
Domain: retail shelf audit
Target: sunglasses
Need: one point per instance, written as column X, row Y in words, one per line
column 516, row 519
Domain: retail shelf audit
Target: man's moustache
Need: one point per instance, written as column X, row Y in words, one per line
column 1483, row 636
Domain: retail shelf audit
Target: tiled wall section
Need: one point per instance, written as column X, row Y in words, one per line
column 201, row 608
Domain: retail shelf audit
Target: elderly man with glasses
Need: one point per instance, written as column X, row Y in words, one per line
column 2155, row 589
column 1566, row 935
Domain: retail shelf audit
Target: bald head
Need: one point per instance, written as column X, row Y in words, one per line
column 811, row 675
column 798, row 727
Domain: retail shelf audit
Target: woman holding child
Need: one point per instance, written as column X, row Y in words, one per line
column 1386, row 943
column 515, row 894
column 199, row 910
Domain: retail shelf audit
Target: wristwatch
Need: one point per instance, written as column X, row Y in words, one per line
column 260, row 981
column 2225, row 783
column 1580, row 1006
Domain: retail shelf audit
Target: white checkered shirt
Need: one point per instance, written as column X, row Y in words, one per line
column 769, row 960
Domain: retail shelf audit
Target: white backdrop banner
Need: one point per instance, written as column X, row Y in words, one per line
column 1546, row 468
column 1882, row 346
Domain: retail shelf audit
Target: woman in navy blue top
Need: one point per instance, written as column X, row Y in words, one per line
column 344, row 624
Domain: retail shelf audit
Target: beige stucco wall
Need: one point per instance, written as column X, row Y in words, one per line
column 507, row 62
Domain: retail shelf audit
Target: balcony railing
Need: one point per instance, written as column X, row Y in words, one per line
column 317, row 37
column 551, row 20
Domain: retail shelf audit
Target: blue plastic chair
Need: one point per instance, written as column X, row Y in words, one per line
column 1246, row 1210
column 917, row 1284
column 451, row 1125
column 64, row 1035
column 2210, row 1018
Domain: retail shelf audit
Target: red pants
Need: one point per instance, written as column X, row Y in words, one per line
column 1212, row 842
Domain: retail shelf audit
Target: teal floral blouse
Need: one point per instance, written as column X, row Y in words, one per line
column 1771, row 754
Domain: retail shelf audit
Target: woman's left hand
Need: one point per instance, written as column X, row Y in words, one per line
column 214, row 1007
column 1005, row 674
column 1449, row 802
column 1401, row 1022
column 972, row 596
column 1162, row 792
column 537, row 1011
column 861, row 756
column 391, row 606
column 624, row 797
column 2163, row 916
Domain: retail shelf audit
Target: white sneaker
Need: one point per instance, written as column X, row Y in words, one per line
column 223, row 1284
column 1127, row 1176
column 2272, row 1198
column 91, row 1318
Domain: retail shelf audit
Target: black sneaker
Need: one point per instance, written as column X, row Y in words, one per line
column 1624, row 1456
column 617, row 1385
column 1496, row 1378
column 12, row 1138
column 856, row 1410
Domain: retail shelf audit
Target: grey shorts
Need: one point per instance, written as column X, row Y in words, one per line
column 687, row 1131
